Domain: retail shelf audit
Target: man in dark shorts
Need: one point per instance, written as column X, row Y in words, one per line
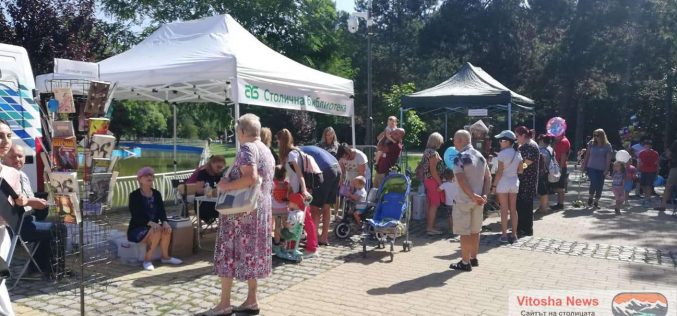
column 562, row 151
column 326, row 193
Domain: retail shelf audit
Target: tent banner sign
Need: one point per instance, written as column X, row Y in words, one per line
column 264, row 94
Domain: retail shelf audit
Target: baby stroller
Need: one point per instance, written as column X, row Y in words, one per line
column 392, row 214
column 344, row 228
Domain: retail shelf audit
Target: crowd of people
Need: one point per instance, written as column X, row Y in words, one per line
column 525, row 167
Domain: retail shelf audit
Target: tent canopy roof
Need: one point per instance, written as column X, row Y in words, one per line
column 193, row 61
column 469, row 86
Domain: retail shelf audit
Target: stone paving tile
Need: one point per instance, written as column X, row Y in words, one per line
column 601, row 249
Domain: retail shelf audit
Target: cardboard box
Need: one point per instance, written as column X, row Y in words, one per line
column 182, row 238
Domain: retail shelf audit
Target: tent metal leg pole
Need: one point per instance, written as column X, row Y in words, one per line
column 175, row 162
column 446, row 124
column 352, row 126
column 237, row 116
column 509, row 116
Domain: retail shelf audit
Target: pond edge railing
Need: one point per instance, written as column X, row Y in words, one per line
column 127, row 184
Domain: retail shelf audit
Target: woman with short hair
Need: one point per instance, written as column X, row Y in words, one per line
column 243, row 245
column 596, row 163
column 148, row 224
column 433, row 168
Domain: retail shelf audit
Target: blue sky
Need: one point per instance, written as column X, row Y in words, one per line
column 345, row 5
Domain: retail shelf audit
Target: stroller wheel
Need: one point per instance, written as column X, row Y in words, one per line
column 342, row 230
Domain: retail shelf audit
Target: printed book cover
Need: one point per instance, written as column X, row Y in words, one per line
column 64, row 96
column 67, row 206
column 98, row 125
column 102, row 185
column 64, row 182
column 65, row 153
column 97, row 97
column 101, row 165
column 63, row 129
column 101, row 146
column 83, row 119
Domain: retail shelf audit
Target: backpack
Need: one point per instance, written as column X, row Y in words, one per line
column 312, row 174
column 554, row 171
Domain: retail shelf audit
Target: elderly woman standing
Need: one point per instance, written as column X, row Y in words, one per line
column 243, row 245
column 596, row 162
column 329, row 142
column 432, row 167
column 527, row 180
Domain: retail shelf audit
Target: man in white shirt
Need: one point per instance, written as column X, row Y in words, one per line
column 34, row 228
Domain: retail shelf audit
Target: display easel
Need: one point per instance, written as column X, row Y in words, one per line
column 89, row 245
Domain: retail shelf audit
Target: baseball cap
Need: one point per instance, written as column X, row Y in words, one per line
column 507, row 135
column 144, row 172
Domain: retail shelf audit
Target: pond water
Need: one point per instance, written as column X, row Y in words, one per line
column 160, row 160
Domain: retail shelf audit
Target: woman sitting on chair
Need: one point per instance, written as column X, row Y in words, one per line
column 148, row 224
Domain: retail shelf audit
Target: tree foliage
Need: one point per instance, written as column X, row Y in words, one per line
column 594, row 62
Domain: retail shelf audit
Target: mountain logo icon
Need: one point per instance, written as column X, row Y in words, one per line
column 644, row 304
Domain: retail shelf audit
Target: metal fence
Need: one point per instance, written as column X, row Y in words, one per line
column 126, row 185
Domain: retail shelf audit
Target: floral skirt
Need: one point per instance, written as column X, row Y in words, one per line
column 243, row 246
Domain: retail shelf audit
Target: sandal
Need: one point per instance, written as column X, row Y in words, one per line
column 252, row 309
column 228, row 311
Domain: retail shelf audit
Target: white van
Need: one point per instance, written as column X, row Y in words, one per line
column 18, row 107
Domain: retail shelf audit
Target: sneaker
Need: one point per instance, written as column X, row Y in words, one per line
column 310, row 255
column 172, row 260
column 461, row 266
column 514, row 239
column 596, row 204
column 433, row 232
column 148, row 266
column 618, row 211
column 474, row 262
column 503, row 239
column 589, row 202
column 557, row 207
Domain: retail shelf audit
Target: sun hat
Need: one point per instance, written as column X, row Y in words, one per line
column 506, row 134
column 144, row 172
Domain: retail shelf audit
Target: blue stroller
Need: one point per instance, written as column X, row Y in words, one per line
column 392, row 214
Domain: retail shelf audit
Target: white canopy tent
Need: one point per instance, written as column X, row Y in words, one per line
column 215, row 59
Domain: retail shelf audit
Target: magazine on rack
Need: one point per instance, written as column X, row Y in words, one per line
column 63, row 182
column 98, row 125
column 64, row 96
column 65, row 153
column 103, row 165
column 63, row 129
column 101, row 187
column 101, row 146
column 68, row 207
column 97, row 97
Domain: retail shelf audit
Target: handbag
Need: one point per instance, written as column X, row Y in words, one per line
column 242, row 200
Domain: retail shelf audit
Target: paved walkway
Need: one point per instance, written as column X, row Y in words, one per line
column 573, row 249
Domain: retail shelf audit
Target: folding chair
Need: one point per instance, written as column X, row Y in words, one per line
column 185, row 194
column 14, row 217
